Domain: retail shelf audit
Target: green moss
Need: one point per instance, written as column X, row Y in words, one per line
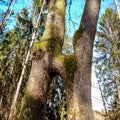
column 59, row 57
column 25, row 112
column 59, row 12
column 43, row 44
column 59, row 8
column 77, row 35
column 32, row 108
column 70, row 66
column 57, row 49
column 48, row 30
column 48, row 41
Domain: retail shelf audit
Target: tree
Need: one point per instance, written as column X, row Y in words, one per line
column 14, row 45
column 13, row 48
column 48, row 61
column 107, row 61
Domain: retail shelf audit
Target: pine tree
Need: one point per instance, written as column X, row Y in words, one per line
column 108, row 59
column 14, row 45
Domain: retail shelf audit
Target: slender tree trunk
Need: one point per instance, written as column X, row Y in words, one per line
column 83, row 46
column 34, row 101
column 117, row 8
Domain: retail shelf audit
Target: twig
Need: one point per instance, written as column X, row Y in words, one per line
column 104, row 104
column 5, row 15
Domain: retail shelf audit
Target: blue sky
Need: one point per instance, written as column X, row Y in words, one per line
column 76, row 9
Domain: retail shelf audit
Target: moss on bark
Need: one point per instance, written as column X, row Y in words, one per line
column 30, row 109
column 68, row 63
column 34, row 102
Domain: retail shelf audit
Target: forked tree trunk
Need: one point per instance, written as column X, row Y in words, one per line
column 75, row 69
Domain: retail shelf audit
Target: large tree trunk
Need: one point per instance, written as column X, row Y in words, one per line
column 83, row 45
column 49, row 61
column 34, row 101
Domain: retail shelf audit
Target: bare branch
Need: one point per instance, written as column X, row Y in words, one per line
column 7, row 12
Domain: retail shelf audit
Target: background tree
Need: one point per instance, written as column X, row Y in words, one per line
column 108, row 60
column 4, row 15
column 14, row 45
column 13, row 48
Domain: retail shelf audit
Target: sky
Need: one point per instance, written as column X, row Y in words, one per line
column 77, row 8
column 72, row 23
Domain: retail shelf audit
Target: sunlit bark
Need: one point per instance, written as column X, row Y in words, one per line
column 75, row 70
column 34, row 101
column 83, row 46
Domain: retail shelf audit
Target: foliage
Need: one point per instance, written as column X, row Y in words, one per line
column 14, row 46
column 5, row 14
column 56, row 102
column 107, row 59
column 68, row 45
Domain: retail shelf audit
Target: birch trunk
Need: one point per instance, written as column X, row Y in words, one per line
column 117, row 8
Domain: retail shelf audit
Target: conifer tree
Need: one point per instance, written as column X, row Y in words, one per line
column 108, row 60
column 14, row 45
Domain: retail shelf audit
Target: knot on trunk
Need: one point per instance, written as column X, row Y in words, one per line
column 38, row 54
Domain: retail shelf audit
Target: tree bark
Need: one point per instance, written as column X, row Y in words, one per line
column 83, row 45
column 75, row 70
column 34, row 101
